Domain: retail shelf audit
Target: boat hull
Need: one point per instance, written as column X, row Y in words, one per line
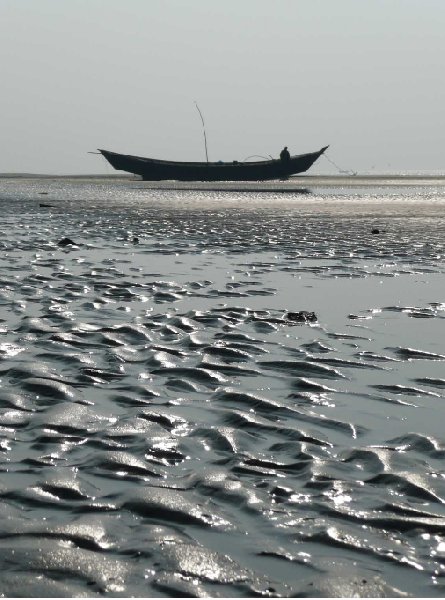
column 159, row 170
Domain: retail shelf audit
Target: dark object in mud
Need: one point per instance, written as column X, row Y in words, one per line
column 135, row 240
column 66, row 242
column 375, row 231
column 302, row 316
column 42, row 205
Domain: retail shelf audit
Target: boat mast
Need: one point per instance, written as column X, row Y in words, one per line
column 204, row 130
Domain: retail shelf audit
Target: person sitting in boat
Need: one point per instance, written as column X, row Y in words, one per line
column 284, row 154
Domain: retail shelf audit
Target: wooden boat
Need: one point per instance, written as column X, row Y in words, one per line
column 151, row 169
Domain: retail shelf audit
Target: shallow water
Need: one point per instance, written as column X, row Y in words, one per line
column 167, row 427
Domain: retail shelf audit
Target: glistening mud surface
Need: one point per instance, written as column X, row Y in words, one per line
column 166, row 428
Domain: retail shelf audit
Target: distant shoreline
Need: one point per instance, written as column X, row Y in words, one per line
column 73, row 176
column 298, row 180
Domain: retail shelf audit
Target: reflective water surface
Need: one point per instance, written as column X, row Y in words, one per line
column 169, row 428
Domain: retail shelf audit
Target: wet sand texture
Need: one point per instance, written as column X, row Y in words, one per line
column 168, row 429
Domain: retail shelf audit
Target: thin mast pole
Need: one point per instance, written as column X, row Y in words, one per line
column 204, row 129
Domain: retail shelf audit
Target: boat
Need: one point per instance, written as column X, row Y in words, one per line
column 151, row 169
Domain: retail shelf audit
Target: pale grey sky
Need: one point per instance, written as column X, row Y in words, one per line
column 365, row 76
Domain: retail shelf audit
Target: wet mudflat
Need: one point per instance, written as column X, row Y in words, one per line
column 167, row 428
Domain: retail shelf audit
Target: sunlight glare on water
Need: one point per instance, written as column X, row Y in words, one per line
column 173, row 424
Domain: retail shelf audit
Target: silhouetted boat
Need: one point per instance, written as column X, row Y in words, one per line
column 151, row 169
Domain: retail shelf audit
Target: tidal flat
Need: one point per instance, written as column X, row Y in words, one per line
column 168, row 429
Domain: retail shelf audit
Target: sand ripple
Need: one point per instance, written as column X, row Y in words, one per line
column 168, row 429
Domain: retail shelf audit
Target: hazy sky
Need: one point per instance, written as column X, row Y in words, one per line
column 365, row 76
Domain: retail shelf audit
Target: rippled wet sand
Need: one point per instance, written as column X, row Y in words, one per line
column 169, row 428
